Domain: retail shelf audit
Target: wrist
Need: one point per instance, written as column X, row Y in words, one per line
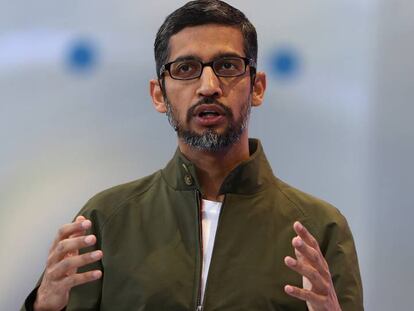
column 39, row 306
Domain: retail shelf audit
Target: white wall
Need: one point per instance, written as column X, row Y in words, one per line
column 391, row 161
column 338, row 127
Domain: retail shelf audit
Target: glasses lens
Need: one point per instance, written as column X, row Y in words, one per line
column 229, row 67
column 187, row 69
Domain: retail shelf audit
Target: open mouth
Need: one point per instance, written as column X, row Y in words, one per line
column 208, row 114
column 209, row 110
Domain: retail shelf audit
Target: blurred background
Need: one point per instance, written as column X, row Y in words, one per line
column 76, row 118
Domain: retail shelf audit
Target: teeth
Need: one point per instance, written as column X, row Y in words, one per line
column 205, row 113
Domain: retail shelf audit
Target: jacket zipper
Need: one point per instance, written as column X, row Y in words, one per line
column 199, row 307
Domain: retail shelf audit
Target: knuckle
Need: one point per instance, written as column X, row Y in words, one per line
column 326, row 274
column 314, row 257
column 66, row 264
column 60, row 248
column 325, row 288
column 314, row 275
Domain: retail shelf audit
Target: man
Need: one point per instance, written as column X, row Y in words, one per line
column 148, row 244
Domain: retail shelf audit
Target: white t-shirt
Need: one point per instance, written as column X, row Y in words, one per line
column 210, row 212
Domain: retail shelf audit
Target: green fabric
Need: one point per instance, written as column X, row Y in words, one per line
column 149, row 233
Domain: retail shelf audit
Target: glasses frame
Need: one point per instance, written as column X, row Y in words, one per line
column 247, row 62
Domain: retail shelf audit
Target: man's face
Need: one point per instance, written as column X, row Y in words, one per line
column 209, row 113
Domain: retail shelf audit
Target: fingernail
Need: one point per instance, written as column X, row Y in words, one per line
column 97, row 274
column 299, row 225
column 89, row 239
column 289, row 289
column 95, row 254
column 290, row 261
column 298, row 241
column 86, row 224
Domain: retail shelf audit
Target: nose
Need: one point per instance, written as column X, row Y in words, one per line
column 210, row 85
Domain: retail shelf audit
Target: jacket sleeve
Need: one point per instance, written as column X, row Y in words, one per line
column 339, row 250
column 29, row 302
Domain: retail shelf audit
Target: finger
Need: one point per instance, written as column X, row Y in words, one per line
column 310, row 240
column 309, row 254
column 303, row 294
column 73, row 228
column 319, row 284
column 305, row 235
column 70, row 247
column 82, row 278
column 79, row 218
column 72, row 263
column 79, row 233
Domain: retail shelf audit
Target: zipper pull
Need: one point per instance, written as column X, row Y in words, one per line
column 199, row 308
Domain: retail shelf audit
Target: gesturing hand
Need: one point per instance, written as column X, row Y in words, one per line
column 61, row 269
column 318, row 290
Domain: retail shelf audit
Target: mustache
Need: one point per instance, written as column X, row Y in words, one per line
column 208, row 101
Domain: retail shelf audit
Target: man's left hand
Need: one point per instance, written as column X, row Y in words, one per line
column 318, row 290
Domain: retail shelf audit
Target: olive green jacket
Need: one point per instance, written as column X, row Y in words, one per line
column 150, row 234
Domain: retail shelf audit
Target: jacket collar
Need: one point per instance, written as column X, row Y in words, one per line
column 248, row 177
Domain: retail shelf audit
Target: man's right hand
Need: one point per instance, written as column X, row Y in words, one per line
column 63, row 261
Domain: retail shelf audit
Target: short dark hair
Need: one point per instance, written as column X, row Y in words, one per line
column 201, row 12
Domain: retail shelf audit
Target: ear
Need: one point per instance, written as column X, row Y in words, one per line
column 259, row 88
column 157, row 96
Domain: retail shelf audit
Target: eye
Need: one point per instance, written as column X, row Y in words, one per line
column 185, row 69
column 227, row 65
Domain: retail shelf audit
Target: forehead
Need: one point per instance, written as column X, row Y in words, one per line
column 206, row 42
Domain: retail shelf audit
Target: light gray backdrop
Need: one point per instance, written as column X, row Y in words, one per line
column 76, row 117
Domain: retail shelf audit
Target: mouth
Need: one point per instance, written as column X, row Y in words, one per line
column 209, row 110
column 209, row 115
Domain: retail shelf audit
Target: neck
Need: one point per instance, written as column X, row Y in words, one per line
column 213, row 167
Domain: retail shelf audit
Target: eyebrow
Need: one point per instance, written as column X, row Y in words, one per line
column 216, row 56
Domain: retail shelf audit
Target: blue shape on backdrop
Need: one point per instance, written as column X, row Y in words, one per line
column 285, row 63
column 82, row 55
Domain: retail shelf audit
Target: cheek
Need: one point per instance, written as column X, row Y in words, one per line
column 237, row 88
column 179, row 95
column 239, row 99
column 180, row 102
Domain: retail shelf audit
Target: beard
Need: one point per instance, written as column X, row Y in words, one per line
column 210, row 140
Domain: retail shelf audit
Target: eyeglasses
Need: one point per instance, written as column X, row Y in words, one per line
column 192, row 69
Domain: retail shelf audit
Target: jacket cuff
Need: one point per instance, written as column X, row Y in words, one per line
column 30, row 300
